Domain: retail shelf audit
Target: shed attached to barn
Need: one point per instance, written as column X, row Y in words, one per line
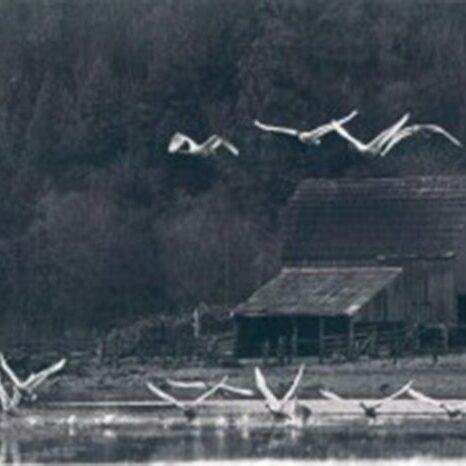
column 305, row 306
column 379, row 252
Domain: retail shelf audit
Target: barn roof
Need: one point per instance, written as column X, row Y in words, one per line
column 319, row 291
column 364, row 218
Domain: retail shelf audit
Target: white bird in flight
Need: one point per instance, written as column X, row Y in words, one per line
column 28, row 386
column 376, row 145
column 200, row 385
column 452, row 411
column 188, row 407
column 287, row 407
column 370, row 410
column 312, row 137
column 409, row 131
column 9, row 403
column 180, row 143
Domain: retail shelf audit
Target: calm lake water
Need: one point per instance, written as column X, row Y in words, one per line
column 114, row 438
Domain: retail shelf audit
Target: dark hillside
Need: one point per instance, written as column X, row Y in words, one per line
column 99, row 225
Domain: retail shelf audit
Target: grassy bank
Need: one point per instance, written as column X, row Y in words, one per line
column 126, row 379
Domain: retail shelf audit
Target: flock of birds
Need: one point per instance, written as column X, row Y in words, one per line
column 287, row 408
column 380, row 145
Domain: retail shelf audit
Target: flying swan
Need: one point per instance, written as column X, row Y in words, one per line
column 409, row 131
column 200, row 385
column 8, row 403
column 312, row 137
column 28, row 386
column 370, row 410
column 376, row 145
column 452, row 411
column 287, row 407
column 189, row 408
column 182, row 144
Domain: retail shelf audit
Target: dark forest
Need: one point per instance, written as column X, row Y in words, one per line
column 100, row 226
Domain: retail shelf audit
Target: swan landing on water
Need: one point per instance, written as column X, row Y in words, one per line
column 370, row 410
column 189, row 408
column 287, row 408
column 26, row 388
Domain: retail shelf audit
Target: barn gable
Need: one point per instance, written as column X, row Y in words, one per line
column 361, row 219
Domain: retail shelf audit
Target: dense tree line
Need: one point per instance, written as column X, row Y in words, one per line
column 99, row 225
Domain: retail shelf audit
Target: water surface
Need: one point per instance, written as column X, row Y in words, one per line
column 71, row 436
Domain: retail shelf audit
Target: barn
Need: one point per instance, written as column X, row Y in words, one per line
column 362, row 253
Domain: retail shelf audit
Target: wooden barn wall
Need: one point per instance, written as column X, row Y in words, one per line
column 431, row 285
column 460, row 266
column 430, row 290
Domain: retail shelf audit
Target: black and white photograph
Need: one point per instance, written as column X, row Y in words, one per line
column 233, row 232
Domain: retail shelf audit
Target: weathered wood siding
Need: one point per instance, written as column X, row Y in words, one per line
column 429, row 288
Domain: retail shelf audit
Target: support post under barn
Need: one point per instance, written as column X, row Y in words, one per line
column 294, row 338
column 321, row 339
column 350, row 340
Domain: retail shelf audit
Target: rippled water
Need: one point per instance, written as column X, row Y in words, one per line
column 143, row 438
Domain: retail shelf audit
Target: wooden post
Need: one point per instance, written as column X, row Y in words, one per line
column 446, row 338
column 294, row 338
column 197, row 323
column 235, row 337
column 350, row 341
column 417, row 338
column 373, row 348
column 321, row 339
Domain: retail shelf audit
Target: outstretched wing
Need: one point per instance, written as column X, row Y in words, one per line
column 198, row 384
column 459, row 406
column 349, row 117
column 439, row 130
column 317, row 133
column 331, row 395
column 276, row 129
column 394, row 395
column 261, row 384
column 297, row 380
column 34, row 380
column 413, row 129
column 386, row 135
column 209, row 392
column 396, row 139
column 237, row 390
column 9, row 372
column 424, row 398
column 177, row 140
column 164, row 396
column 232, row 148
